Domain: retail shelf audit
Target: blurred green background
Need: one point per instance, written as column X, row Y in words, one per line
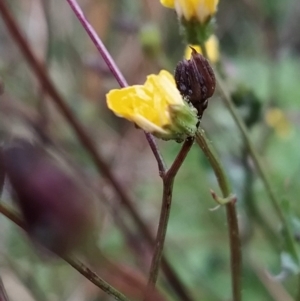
column 259, row 46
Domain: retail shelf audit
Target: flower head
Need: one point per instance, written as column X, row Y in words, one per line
column 200, row 10
column 212, row 48
column 157, row 107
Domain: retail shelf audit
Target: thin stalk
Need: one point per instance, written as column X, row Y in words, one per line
column 168, row 181
column 76, row 264
column 251, row 206
column 203, row 50
column 290, row 241
column 42, row 103
column 3, row 294
column 234, row 238
column 209, row 152
column 94, row 278
column 98, row 43
column 254, row 155
column 298, row 292
column 113, row 69
column 159, row 159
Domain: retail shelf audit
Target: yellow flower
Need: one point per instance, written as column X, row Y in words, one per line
column 276, row 119
column 212, row 48
column 189, row 9
column 168, row 3
column 157, row 107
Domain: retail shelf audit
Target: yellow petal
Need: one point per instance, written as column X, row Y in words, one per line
column 205, row 9
column 274, row 116
column 164, row 89
column 212, row 49
column 135, row 101
column 284, row 129
column 188, row 9
column 156, row 107
column 276, row 119
column 167, row 3
column 147, row 125
column 121, row 101
column 185, row 8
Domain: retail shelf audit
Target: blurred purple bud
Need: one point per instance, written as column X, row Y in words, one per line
column 56, row 207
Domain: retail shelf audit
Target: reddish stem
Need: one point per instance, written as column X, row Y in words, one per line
column 115, row 71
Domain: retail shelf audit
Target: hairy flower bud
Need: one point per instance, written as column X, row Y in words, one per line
column 195, row 80
column 56, row 207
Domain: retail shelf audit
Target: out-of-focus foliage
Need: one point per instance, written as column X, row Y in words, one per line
column 259, row 45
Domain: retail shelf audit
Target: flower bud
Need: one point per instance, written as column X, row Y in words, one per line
column 150, row 39
column 200, row 10
column 57, row 209
column 195, row 80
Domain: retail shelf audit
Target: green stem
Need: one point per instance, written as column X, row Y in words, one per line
column 76, row 264
column 254, row 155
column 203, row 50
column 94, row 278
column 168, row 181
column 209, row 152
column 298, row 293
column 234, row 238
column 251, row 206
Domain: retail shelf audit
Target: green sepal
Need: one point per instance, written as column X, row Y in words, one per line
column 184, row 123
column 195, row 32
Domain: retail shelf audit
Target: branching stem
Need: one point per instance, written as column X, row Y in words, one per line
column 168, row 181
column 233, row 229
column 263, row 175
column 254, row 155
column 234, row 238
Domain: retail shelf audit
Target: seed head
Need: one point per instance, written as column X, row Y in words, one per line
column 195, row 80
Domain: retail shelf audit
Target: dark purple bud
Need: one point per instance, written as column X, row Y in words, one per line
column 195, row 80
column 56, row 207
